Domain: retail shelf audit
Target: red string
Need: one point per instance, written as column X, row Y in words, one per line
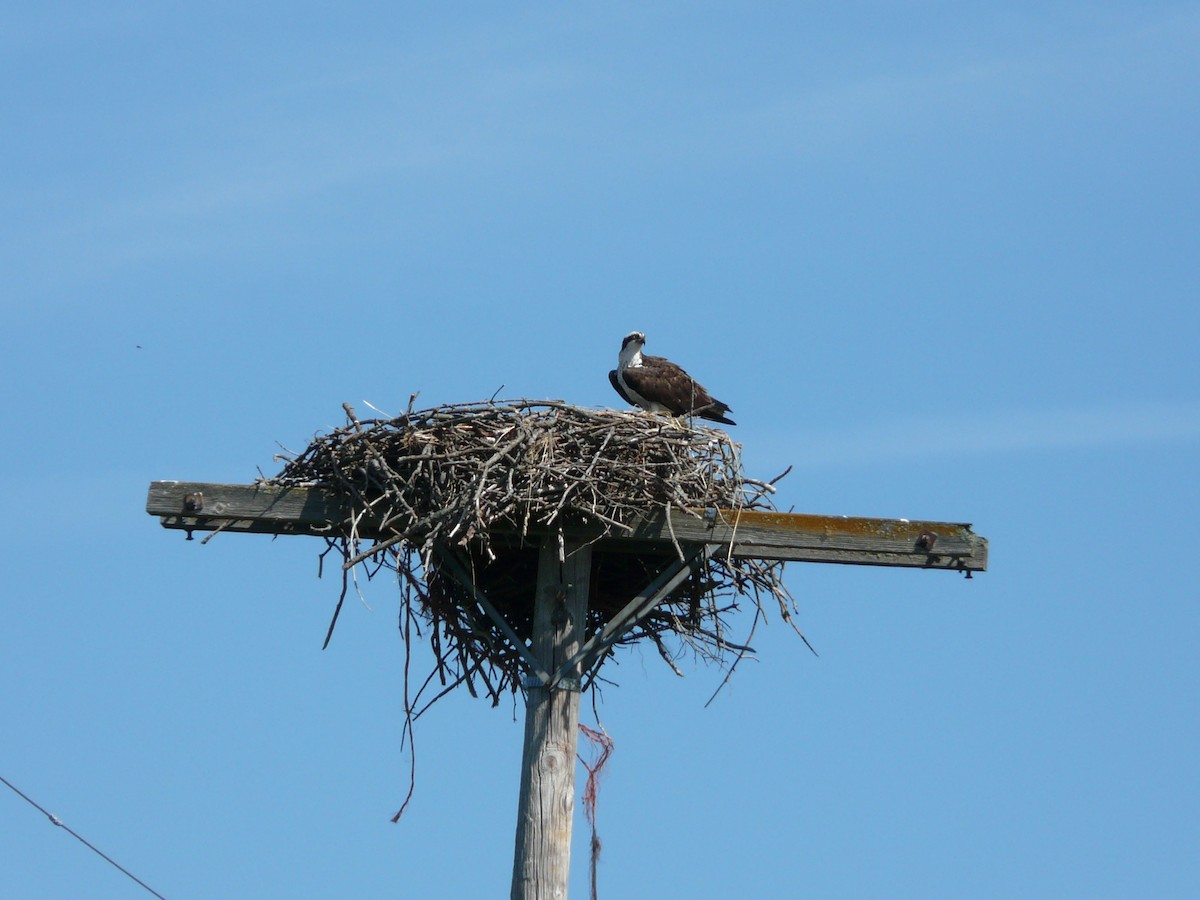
column 604, row 743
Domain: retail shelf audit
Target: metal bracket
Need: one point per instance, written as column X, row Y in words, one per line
column 460, row 574
column 590, row 654
column 533, row 682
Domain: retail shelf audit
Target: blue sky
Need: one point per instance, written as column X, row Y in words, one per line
column 942, row 258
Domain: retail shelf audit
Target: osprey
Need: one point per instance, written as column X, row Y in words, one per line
column 658, row 385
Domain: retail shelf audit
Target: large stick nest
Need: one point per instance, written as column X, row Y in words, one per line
column 481, row 483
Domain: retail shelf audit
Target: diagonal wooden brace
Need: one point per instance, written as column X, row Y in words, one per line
column 635, row 611
column 459, row 573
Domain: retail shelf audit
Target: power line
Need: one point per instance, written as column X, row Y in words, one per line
column 55, row 820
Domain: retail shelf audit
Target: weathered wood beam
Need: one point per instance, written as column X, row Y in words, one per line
column 799, row 537
column 546, row 803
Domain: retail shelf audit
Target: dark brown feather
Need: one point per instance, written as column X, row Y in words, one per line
column 662, row 381
column 616, row 383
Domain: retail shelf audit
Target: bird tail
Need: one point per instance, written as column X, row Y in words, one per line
column 716, row 412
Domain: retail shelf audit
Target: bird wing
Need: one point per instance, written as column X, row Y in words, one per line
column 661, row 381
column 616, row 383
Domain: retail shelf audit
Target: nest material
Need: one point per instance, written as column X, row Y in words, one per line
column 478, row 482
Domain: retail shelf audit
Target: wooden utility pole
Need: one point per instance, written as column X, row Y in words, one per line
column 546, row 806
column 560, row 654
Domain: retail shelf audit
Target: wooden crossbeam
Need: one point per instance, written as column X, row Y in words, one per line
column 798, row 537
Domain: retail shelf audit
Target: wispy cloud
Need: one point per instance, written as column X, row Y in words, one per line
column 476, row 101
column 1002, row 432
column 1096, row 61
column 234, row 158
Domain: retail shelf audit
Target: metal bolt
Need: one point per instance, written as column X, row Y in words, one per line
column 926, row 540
column 193, row 503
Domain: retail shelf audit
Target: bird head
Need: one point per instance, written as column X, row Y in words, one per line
column 631, row 346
